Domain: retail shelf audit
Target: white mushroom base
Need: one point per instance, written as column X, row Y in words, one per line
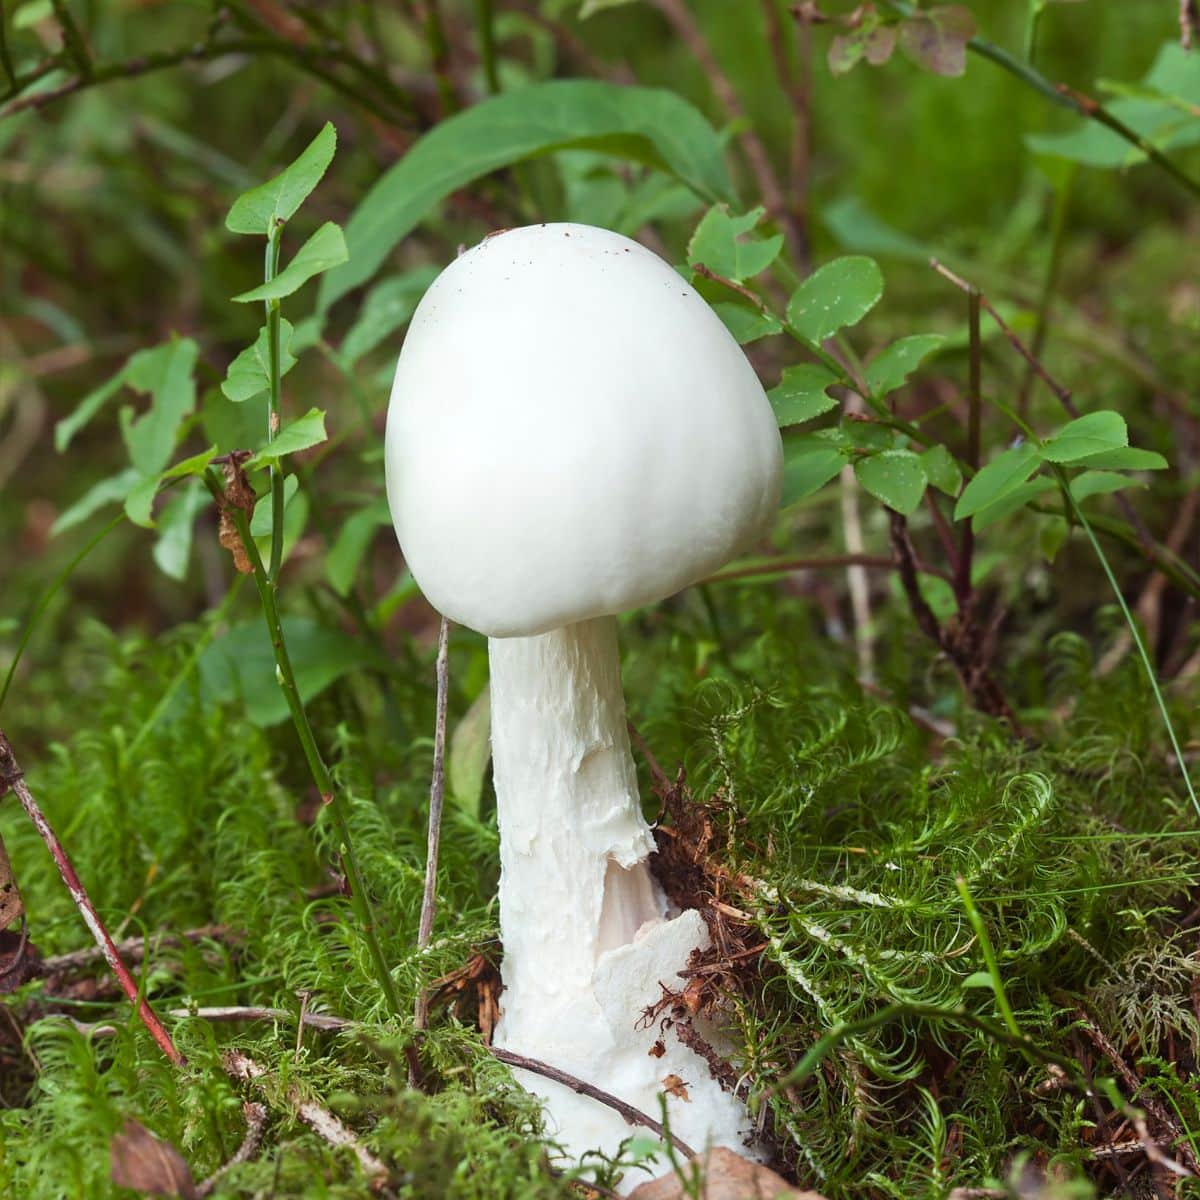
column 606, row 1046
column 587, row 943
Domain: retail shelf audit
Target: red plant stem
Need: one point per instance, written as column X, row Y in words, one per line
column 11, row 776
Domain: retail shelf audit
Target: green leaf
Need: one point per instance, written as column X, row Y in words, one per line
column 1157, row 119
column 326, row 248
column 720, row 244
column 240, row 665
column 140, row 502
column 1011, row 501
column 644, row 124
column 389, row 304
column 745, row 323
column 808, row 464
column 800, row 394
column 166, row 374
column 591, row 7
column 249, row 374
column 1052, row 533
column 1100, row 483
column 1125, row 458
column 300, row 434
column 894, row 476
column 346, row 553
column 999, row 477
column 85, row 410
column 258, row 210
column 841, row 293
column 891, row 367
column 979, row 979
column 469, row 754
column 107, row 491
column 173, row 547
column 941, row 470
column 1096, row 433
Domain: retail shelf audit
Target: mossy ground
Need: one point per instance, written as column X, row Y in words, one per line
column 838, row 825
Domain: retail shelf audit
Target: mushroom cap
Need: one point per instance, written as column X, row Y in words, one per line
column 572, row 432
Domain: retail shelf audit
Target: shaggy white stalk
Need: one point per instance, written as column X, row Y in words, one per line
column 586, row 937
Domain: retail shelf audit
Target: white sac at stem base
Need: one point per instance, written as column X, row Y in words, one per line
column 588, row 943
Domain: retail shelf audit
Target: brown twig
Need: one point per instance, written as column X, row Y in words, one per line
column 767, row 181
column 437, row 798
column 131, row 949
column 656, row 772
column 634, row 1116
column 11, row 776
column 1189, row 22
column 960, row 645
column 319, row 1119
column 256, row 1123
column 795, row 82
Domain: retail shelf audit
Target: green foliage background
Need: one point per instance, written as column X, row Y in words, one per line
column 145, row 707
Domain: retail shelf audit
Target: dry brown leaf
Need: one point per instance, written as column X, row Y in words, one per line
column 676, row 1087
column 149, row 1165
column 11, row 907
column 727, row 1176
column 238, row 494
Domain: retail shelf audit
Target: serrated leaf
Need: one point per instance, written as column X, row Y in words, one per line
column 841, row 293
column 644, row 124
column 800, row 394
column 1001, row 476
column 894, row 476
column 941, row 470
column 258, row 210
column 745, row 323
column 1124, row 458
column 808, row 464
column 891, row 367
column 326, row 248
column 300, row 434
column 346, row 553
column 1100, row 483
column 85, row 410
column 1095, row 433
column 249, row 374
column 107, row 491
column 722, row 244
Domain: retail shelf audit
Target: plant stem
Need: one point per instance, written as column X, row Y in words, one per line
column 320, row 773
column 1134, row 632
column 989, row 957
column 485, row 20
column 962, row 581
column 270, row 268
column 1065, row 97
column 11, row 776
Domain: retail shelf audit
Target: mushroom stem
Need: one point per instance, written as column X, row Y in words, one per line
column 574, row 879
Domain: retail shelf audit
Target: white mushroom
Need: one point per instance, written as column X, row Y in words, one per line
column 572, row 433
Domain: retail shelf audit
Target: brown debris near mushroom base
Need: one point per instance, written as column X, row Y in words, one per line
column 475, row 986
column 727, row 1176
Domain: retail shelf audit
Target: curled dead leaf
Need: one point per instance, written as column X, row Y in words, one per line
column 12, row 908
column 149, row 1165
column 676, row 1087
column 238, row 495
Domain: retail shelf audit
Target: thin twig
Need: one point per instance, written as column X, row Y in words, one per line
column 634, row 1116
column 656, row 772
column 437, row 797
column 319, row 1119
column 233, row 1013
column 11, row 776
column 133, row 949
column 256, row 1123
